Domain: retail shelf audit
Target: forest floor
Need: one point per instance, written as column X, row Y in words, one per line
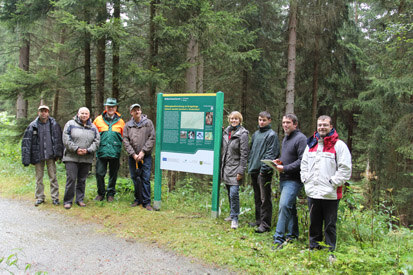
column 39, row 240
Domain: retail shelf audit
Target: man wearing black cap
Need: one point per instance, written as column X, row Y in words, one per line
column 42, row 143
column 110, row 126
column 139, row 139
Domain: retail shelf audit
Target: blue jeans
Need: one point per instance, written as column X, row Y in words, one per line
column 233, row 197
column 287, row 224
column 141, row 179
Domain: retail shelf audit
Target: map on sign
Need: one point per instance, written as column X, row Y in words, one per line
column 192, row 120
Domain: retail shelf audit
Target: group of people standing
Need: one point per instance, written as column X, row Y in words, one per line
column 44, row 143
column 321, row 163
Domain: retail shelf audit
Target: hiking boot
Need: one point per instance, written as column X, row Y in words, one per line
column 234, row 224
column 228, row 219
column 99, row 198
column 67, row 206
column 134, row 204
column 56, row 202
column 148, row 207
column 38, row 202
column 111, row 198
column 253, row 224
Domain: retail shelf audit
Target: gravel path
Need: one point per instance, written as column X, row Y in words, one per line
column 58, row 244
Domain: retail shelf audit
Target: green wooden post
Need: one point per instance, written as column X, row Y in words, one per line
column 219, row 113
column 158, row 171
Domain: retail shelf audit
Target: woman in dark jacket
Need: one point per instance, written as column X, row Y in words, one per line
column 234, row 161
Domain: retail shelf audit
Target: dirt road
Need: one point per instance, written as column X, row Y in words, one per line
column 58, row 244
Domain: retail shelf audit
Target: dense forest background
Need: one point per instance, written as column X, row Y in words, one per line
column 352, row 60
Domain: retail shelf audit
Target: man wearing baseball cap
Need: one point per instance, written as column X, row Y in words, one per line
column 42, row 144
column 110, row 126
column 139, row 139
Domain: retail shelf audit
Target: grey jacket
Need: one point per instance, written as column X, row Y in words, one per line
column 75, row 136
column 234, row 155
column 139, row 136
column 264, row 145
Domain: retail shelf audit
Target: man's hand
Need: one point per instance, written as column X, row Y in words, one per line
column 279, row 166
column 141, row 155
column 81, row 152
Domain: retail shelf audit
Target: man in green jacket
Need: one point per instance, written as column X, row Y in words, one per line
column 264, row 145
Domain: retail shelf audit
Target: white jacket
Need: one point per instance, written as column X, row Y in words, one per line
column 324, row 173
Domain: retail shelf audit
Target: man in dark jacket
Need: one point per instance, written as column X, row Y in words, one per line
column 264, row 146
column 288, row 166
column 139, row 139
column 42, row 143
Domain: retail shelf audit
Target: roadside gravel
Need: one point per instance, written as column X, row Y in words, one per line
column 59, row 244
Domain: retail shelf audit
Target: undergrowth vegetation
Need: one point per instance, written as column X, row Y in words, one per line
column 368, row 241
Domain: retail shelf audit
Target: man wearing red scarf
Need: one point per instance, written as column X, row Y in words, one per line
column 325, row 167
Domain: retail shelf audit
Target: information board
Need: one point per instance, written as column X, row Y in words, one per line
column 188, row 133
column 188, row 137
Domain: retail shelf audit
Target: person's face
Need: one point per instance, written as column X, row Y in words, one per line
column 111, row 110
column 43, row 114
column 234, row 121
column 136, row 113
column 288, row 125
column 324, row 127
column 263, row 121
column 83, row 115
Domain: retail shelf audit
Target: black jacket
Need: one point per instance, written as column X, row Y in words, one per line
column 30, row 142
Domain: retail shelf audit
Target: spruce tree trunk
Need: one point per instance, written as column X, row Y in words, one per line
column 153, row 52
column 191, row 72
column 24, row 59
column 100, row 63
column 316, row 69
column 88, row 78
column 115, row 53
column 58, row 72
column 244, row 93
column 292, row 41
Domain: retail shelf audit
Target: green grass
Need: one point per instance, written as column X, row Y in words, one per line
column 365, row 244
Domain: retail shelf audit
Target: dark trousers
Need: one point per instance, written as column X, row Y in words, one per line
column 262, row 198
column 101, row 168
column 75, row 171
column 141, row 179
column 323, row 211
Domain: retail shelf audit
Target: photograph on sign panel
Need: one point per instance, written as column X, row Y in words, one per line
column 192, row 120
column 208, row 136
column 209, row 118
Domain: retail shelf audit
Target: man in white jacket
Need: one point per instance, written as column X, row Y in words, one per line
column 325, row 167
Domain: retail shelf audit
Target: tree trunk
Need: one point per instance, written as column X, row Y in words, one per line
column 115, row 53
column 315, row 85
column 153, row 52
column 100, row 63
column 58, row 72
column 24, row 59
column 244, row 95
column 292, row 41
column 191, row 58
column 88, row 78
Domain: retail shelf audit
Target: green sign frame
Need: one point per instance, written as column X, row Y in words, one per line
column 188, row 138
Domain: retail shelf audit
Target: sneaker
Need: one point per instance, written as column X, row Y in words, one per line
column 38, row 202
column 111, row 198
column 260, row 229
column 56, row 202
column 234, row 224
column 332, row 259
column 99, row 198
column 67, row 206
column 228, row 219
column 81, row 204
